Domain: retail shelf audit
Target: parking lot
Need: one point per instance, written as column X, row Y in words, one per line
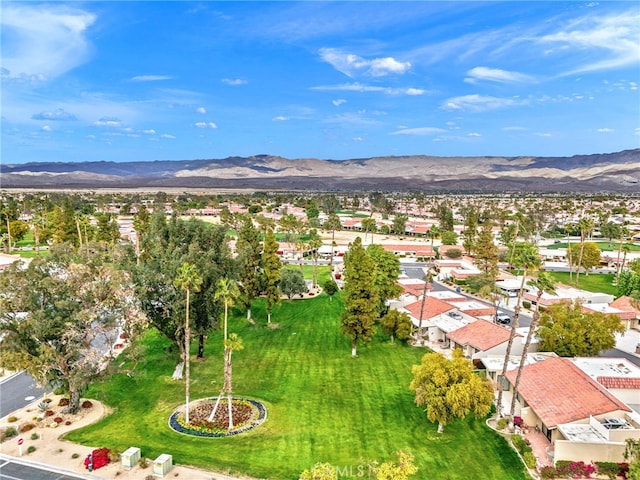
column 16, row 469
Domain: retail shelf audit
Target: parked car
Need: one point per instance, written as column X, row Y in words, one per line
column 503, row 319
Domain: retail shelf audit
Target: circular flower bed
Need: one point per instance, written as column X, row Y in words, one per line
column 247, row 414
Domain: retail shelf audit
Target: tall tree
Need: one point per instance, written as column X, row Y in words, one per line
column 543, row 283
column 54, row 312
column 585, row 256
column 189, row 280
column 486, row 252
column 228, row 292
column 586, row 227
column 292, row 282
column 360, row 296
column 249, row 250
column 315, row 242
column 525, row 257
column 449, row 388
column 568, row 331
column 387, row 270
column 396, row 324
column 400, row 224
column 140, row 225
column 333, row 224
column 271, row 266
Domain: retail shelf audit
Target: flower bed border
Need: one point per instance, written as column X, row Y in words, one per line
column 176, row 427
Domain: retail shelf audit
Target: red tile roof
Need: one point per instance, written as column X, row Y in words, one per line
column 432, row 308
column 480, row 334
column 624, row 303
column 559, row 392
column 620, row 382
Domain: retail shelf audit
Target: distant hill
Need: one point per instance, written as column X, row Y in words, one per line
column 618, row 172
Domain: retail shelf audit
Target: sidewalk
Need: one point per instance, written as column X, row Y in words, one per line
column 50, row 450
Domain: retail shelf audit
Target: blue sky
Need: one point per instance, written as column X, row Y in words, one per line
column 128, row 81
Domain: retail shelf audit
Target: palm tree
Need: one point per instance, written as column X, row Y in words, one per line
column 623, row 231
column 232, row 344
column 586, row 227
column 228, row 292
column 525, row 257
column 544, row 283
column 188, row 279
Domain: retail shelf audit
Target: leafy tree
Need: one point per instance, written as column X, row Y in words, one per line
column 271, row 266
column 632, row 455
column 292, row 282
column 568, row 331
column 629, row 283
column 387, row 269
column 320, row 471
column 470, row 230
column 585, row 255
column 189, row 280
column 107, row 229
column 586, row 227
column 486, row 252
column 140, row 224
column 19, row 229
column 54, row 312
column 166, row 246
column 445, row 217
column 396, row 324
column 400, row 223
column 400, row 471
column 249, row 251
column 449, row 237
column 634, row 265
column 610, row 230
column 369, row 225
column 330, row 287
column 453, row 253
column 360, row 296
column 449, row 388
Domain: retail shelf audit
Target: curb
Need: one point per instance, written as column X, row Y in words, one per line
column 48, row 467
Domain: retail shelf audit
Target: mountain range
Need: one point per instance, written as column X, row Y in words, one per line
column 614, row 172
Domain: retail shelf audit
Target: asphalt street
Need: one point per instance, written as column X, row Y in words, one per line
column 16, row 392
column 18, row 469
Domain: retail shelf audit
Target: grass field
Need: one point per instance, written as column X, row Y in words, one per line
column 603, row 246
column 594, row 282
column 323, row 405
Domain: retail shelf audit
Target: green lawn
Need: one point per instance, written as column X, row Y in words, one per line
column 594, row 282
column 603, row 246
column 323, row 405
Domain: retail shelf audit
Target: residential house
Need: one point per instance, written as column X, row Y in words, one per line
column 483, row 337
column 630, row 314
column 582, row 420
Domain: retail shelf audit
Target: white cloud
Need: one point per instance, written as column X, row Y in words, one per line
column 149, row 132
column 496, row 75
column 542, row 134
column 201, row 110
column 614, row 40
column 108, row 122
column 43, row 41
column 473, row 134
column 150, row 78
column 234, row 81
column 419, row 131
column 47, row 128
column 338, row 102
column 57, row 115
column 363, row 88
column 637, row 131
column 357, row 139
column 604, row 130
column 280, row 118
column 514, row 129
column 479, row 103
column 205, row 125
column 168, row 136
column 351, row 64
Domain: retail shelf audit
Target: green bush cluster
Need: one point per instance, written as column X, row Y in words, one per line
column 521, row 444
column 502, row 423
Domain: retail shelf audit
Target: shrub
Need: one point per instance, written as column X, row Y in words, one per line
column 75, row 455
column 26, row 427
column 31, row 449
column 48, row 413
column 548, row 473
column 526, row 304
column 46, row 400
column 68, row 422
column 529, row 459
column 87, row 404
column 34, row 436
column 113, row 455
column 58, row 420
column 502, row 423
column 8, row 433
column 143, row 463
column 63, row 402
column 608, row 469
column 12, row 419
column 42, row 406
column 519, row 443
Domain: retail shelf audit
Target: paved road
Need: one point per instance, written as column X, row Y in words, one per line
column 14, row 392
column 18, row 469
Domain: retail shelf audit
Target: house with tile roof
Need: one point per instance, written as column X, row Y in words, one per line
column 484, row 337
column 438, row 318
column 630, row 315
column 581, row 418
column 618, row 375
